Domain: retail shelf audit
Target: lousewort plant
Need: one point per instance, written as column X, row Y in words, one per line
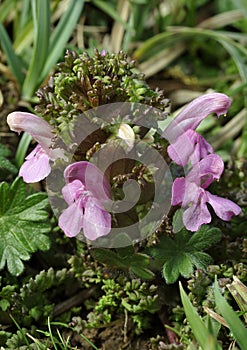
column 108, row 160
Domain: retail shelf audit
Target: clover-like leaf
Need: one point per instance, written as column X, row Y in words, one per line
column 23, row 225
column 181, row 254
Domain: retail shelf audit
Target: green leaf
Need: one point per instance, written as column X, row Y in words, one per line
column 164, row 249
column 139, row 263
column 239, row 292
column 125, row 258
column 179, row 264
column 41, row 19
column 4, row 151
column 110, row 11
column 7, row 165
column 145, row 274
column 24, row 38
column 4, row 304
column 126, row 251
column 177, row 220
column 183, row 253
column 200, row 259
column 139, row 259
column 237, row 56
column 22, row 149
column 5, row 9
column 204, row 238
column 109, row 257
column 23, row 225
column 13, row 60
column 204, row 337
column 236, row 326
column 4, row 162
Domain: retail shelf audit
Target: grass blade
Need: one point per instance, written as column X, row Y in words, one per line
column 61, row 34
column 22, row 332
column 239, row 292
column 22, row 149
column 24, row 15
column 109, row 10
column 12, row 59
column 236, row 326
column 203, row 336
column 237, row 57
column 41, row 19
column 117, row 33
column 51, row 335
column 6, row 8
column 155, row 44
column 88, row 341
column 24, row 38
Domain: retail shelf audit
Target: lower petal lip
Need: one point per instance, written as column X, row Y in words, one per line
column 36, row 167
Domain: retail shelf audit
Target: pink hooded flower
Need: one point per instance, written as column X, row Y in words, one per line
column 85, row 192
column 36, row 167
column 185, row 143
column 197, row 214
column 189, row 146
column 190, row 193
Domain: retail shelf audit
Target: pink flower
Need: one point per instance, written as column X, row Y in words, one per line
column 185, row 143
column 189, row 146
column 190, row 193
column 198, row 213
column 85, row 192
column 36, row 167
